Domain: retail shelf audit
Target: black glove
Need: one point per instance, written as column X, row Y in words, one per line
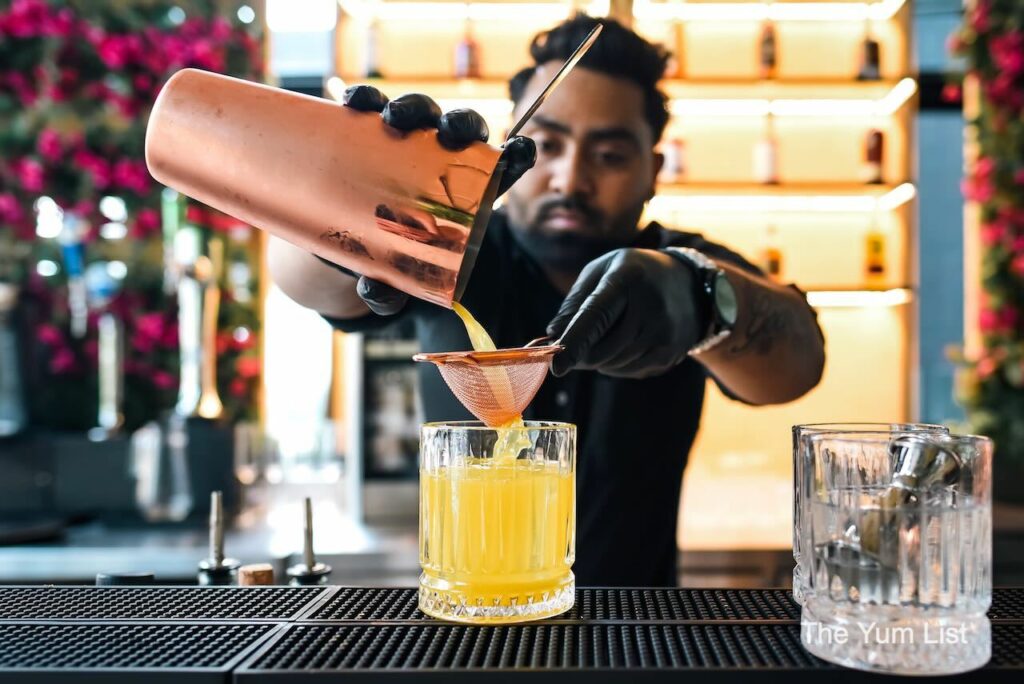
column 632, row 313
column 457, row 129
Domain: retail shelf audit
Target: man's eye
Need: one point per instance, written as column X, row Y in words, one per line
column 549, row 147
column 611, row 158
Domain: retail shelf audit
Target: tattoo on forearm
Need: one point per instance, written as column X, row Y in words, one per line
column 766, row 321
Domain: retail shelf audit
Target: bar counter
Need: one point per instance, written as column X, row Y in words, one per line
column 352, row 634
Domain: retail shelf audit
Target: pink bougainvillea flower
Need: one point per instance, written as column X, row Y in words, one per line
column 990, row 321
column 977, row 189
column 238, row 387
column 49, row 334
column 150, row 325
column 951, row 92
column 954, row 43
column 62, row 361
column 147, row 222
column 985, row 367
column 131, row 175
column 993, row 233
column 1008, row 318
column 1008, row 52
column 1004, row 92
column 162, row 379
column 979, row 17
column 10, row 209
column 96, row 166
column 1017, row 265
column 984, row 166
column 48, row 145
column 30, row 175
column 248, row 366
column 114, row 51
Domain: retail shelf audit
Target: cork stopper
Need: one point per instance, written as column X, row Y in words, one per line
column 256, row 575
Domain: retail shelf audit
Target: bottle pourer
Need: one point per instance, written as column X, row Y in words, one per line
column 217, row 570
column 308, row 572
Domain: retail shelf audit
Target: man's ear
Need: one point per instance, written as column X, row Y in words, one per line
column 659, row 161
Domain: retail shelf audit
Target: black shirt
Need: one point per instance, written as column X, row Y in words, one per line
column 633, row 437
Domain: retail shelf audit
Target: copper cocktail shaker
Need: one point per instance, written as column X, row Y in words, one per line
column 391, row 205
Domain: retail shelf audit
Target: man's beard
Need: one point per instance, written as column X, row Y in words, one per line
column 568, row 251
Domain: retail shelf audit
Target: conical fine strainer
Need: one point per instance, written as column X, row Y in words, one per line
column 495, row 386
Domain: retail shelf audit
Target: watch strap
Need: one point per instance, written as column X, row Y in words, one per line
column 706, row 271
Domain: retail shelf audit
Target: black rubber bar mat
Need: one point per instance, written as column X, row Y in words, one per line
column 125, row 652
column 562, row 653
column 272, row 604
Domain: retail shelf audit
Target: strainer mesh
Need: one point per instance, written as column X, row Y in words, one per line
column 496, row 394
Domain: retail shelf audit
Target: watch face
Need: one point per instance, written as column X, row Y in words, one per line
column 725, row 300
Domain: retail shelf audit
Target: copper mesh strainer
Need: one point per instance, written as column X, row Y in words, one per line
column 495, row 385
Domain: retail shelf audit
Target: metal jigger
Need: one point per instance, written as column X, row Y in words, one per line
column 217, row 570
column 308, row 572
column 923, row 467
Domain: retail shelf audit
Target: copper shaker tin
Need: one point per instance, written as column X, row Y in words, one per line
column 395, row 206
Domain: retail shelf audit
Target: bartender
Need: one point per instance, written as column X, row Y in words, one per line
column 646, row 314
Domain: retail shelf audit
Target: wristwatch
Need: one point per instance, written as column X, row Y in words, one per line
column 718, row 297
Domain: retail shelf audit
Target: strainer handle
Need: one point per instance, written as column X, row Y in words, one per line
column 540, row 341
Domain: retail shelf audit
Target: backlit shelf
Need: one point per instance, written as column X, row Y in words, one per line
column 366, row 10
column 845, row 299
column 718, row 98
column 434, row 11
column 882, row 10
column 740, row 198
column 784, row 188
column 785, row 98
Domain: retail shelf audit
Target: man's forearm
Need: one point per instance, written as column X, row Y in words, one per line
column 312, row 283
column 775, row 353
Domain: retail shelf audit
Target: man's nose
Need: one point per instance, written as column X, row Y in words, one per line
column 571, row 175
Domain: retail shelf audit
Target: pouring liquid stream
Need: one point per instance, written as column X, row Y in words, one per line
column 512, row 437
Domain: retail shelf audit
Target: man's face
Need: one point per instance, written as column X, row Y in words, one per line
column 595, row 168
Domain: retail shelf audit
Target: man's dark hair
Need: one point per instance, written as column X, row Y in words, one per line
column 618, row 52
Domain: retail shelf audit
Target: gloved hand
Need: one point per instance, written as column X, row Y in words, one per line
column 455, row 130
column 632, row 313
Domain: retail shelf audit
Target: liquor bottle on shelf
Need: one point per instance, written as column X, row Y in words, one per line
column 371, row 50
column 767, row 53
column 874, row 254
column 771, row 255
column 13, row 415
column 874, row 150
column 102, row 287
column 677, row 64
column 766, row 154
column 172, row 213
column 870, row 57
column 199, row 256
column 72, row 250
column 673, row 170
column 467, row 55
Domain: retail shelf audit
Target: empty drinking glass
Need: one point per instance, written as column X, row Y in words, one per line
column 900, row 544
column 801, row 486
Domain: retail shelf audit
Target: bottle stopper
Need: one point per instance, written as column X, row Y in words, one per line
column 217, row 570
column 309, row 572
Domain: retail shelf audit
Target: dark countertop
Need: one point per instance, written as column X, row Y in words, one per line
column 354, row 634
column 358, row 553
